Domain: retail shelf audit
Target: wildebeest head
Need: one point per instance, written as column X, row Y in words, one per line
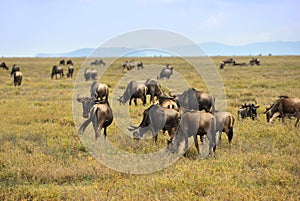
column 87, row 104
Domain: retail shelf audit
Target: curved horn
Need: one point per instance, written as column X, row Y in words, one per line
column 78, row 98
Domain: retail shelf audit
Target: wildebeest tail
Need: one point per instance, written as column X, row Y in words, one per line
column 230, row 132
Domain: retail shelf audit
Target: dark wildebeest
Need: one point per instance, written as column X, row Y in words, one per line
column 166, row 72
column 14, row 69
column 239, row 64
column 229, row 61
column 99, row 91
column 134, row 90
column 157, row 118
column 222, row 64
column 284, row 105
column 192, row 124
column 254, row 61
column 192, row 99
column 90, row 74
column 140, row 65
column 248, row 110
column 98, row 62
column 57, row 70
column 70, row 62
column 101, row 116
column 153, row 89
column 18, row 76
column 87, row 104
column 128, row 65
column 62, row 62
column 224, row 123
column 70, row 71
column 3, row 65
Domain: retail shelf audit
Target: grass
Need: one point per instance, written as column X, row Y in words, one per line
column 42, row 157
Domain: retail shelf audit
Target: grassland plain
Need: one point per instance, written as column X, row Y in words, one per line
column 42, row 158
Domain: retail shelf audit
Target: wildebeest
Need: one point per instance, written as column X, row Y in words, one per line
column 140, row 65
column 169, row 102
column 101, row 116
column 87, row 104
column 14, row 69
column 222, row 64
column 3, row 65
column 254, row 61
column 70, row 62
column 166, row 72
column 90, row 74
column 284, row 105
column 134, row 90
column 239, row 64
column 192, row 99
column 98, row 62
column 229, row 61
column 128, row 65
column 57, row 70
column 157, row 118
column 18, row 76
column 192, row 124
column 62, row 62
column 100, row 91
column 248, row 110
column 153, row 89
column 224, row 123
column 70, row 71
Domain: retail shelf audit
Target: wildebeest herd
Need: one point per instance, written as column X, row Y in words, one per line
column 15, row 72
column 231, row 61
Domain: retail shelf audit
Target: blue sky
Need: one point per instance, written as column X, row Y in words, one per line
column 29, row 27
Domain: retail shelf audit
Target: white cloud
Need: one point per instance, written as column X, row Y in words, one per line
column 212, row 22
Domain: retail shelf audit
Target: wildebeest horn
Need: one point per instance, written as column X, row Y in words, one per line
column 78, row 98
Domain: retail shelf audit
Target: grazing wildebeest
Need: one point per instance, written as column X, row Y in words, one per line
column 70, row 71
column 248, row 110
column 169, row 102
column 99, row 91
column 166, row 72
column 128, row 65
column 57, row 70
column 284, row 105
column 62, row 62
column 239, row 64
column 98, row 62
column 101, row 116
column 87, row 104
column 90, row 74
column 14, row 69
column 140, row 65
column 18, row 76
column 229, row 61
column 192, row 99
column 134, row 90
column 3, row 65
column 70, row 62
column 254, row 61
column 192, row 124
column 157, row 118
column 225, row 122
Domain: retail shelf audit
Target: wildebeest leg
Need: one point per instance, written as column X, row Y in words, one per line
column 130, row 101
column 135, row 101
column 196, row 144
column 144, row 100
column 96, row 126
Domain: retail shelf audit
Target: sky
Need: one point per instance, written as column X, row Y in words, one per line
column 29, row 27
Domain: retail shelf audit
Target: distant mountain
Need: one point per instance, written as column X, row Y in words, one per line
column 210, row 48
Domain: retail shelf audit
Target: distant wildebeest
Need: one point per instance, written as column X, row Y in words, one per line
column 239, row 64
column 14, row 69
column 166, row 72
column 90, row 74
column 128, row 65
column 284, row 105
column 62, row 62
column 18, row 76
column 87, row 104
column 57, row 70
column 70, row 62
column 3, row 65
column 134, row 90
column 224, row 123
column 248, row 110
column 70, row 71
column 254, row 61
column 192, row 99
column 99, row 91
column 98, row 62
column 157, row 118
column 192, row 124
column 222, row 64
column 101, row 116
column 229, row 61
column 140, row 65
